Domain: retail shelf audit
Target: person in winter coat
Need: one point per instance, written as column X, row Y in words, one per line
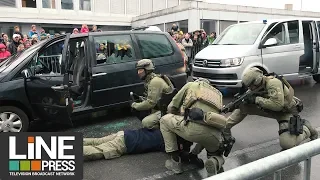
column 4, row 54
column 33, row 31
column 5, row 40
column 75, row 31
column 84, row 28
column 212, row 37
column 204, row 40
column 188, row 44
column 14, row 45
column 17, row 31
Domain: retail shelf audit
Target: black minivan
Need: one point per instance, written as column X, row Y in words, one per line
column 58, row 79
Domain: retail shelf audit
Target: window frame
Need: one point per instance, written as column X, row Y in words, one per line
column 289, row 32
column 28, row 6
column 73, row 8
column 95, row 64
column 140, row 47
column 91, row 4
column 285, row 24
column 37, row 56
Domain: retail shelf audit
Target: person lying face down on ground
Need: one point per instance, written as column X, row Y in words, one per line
column 138, row 141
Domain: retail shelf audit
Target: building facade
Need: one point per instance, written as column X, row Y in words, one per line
column 211, row 17
column 64, row 15
column 56, row 16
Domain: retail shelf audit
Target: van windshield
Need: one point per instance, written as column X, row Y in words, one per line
column 240, row 34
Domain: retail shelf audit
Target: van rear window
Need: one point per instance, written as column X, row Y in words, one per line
column 154, row 45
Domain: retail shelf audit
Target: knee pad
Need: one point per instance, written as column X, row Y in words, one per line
column 287, row 143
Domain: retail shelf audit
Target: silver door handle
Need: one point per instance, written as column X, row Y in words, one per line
column 62, row 87
column 99, row 74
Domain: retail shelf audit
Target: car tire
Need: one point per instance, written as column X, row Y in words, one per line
column 316, row 78
column 7, row 111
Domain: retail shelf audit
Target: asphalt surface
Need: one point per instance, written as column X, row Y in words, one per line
column 257, row 137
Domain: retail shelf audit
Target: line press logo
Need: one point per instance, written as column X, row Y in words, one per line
column 42, row 155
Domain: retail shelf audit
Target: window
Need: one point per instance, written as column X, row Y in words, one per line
column 85, row 5
column 29, row 3
column 279, row 33
column 7, row 3
column 49, row 4
column 318, row 24
column 154, row 45
column 114, row 49
column 293, row 28
column 48, row 60
column 66, row 4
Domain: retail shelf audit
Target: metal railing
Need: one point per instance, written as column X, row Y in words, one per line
column 274, row 164
column 52, row 62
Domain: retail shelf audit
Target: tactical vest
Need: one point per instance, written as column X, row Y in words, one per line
column 287, row 90
column 212, row 97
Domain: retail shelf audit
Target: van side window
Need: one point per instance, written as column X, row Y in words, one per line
column 154, row 45
column 293, row 29
column 113, row 49
column 48, row 60
column 279, row 33
column 318, row 24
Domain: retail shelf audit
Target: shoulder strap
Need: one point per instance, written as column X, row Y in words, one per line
column 167, row 80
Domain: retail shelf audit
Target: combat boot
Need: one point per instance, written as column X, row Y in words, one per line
column 174, row 166
column 313, row 131
column 211, row 166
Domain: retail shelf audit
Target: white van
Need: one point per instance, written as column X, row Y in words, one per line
column 288, row 47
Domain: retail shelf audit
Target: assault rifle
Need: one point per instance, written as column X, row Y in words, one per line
column 239, row 99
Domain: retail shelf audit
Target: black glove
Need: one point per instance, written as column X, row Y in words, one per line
column 251, row 99
column 196, row 114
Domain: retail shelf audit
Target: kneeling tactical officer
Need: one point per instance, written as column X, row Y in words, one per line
column 155, row 86
column 194, row 116
column 277, row 103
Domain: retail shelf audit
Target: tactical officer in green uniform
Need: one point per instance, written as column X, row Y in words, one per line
column 278, row 103
column 155, row 86
column 200, row 98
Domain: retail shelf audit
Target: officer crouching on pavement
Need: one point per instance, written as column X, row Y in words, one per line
column 155, row 86
column 278, row 103
column 194, row 116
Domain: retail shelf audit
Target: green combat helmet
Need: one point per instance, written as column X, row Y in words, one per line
column 146, row 64
column 253, row 76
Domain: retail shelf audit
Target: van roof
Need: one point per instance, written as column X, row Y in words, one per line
column 270, row 21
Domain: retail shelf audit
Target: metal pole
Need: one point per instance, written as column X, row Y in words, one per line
column 307, row 169
column 277, row 175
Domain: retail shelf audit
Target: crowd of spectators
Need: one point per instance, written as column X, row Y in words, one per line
column 193, row 42
column 18, row 42
column 196, row 40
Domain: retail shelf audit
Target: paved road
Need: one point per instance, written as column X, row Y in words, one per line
column 256, row 138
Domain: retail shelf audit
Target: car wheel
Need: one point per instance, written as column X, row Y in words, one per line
column 316, row 78
column 13, row 119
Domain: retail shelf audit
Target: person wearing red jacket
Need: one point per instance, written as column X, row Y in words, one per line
column 3, row 52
